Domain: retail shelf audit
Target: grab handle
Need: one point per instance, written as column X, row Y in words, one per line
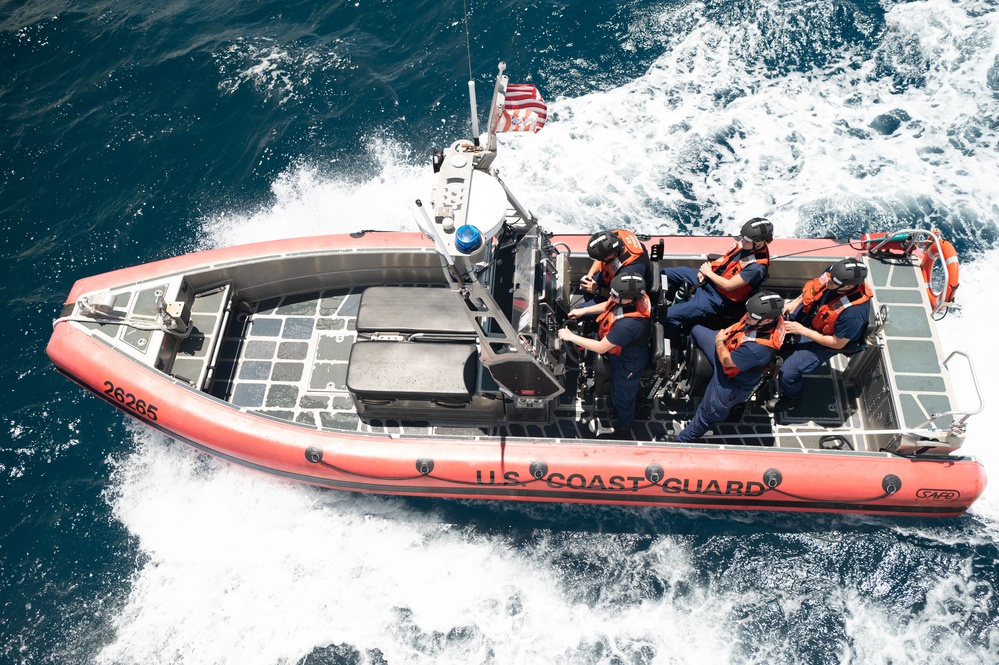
column 959, row 425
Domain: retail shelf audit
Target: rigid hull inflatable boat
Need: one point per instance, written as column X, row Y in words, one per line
column 428, row 363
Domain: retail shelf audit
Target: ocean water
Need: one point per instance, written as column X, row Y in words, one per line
column 135, row 131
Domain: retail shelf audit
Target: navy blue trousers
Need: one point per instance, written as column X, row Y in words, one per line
column 719, row 397
column 626, row 379
column 706, row 301
column 806, row 358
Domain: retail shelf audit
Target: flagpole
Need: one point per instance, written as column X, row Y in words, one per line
column 495, row 108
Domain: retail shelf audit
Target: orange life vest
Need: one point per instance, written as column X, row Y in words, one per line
column 738, row 334
column 813, row 290
column 631, row 251
column 728, row 267
column 614, row 312
column 824, row 319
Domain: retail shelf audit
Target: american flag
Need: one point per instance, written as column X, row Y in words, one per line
column 524, row 110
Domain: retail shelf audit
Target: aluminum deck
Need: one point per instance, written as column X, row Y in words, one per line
column 287, row 359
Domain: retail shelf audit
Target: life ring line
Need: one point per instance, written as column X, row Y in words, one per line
column 951, row 264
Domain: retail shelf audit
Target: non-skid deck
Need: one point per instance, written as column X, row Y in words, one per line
column 287, row 359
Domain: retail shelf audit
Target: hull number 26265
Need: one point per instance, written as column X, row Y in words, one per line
column 130, row 401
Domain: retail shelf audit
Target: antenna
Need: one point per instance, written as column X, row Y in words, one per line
column 471, row 81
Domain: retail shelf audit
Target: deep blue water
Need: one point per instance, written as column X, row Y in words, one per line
column 136, row 131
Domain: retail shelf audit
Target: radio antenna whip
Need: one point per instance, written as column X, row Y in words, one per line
column 471, row 81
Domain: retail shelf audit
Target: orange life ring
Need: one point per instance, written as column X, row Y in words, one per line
column 946, row 294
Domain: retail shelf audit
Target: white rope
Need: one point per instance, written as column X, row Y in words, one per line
column 138, row 325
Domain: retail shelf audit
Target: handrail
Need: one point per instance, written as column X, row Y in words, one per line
column 959, row 425
column 829, row 431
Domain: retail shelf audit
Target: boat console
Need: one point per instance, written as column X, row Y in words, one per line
column 506, row 296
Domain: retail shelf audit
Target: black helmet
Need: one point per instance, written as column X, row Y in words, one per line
column 758, row 229
column 850, row 272
column 627, row 286
column 602, row 245
column 764, row 305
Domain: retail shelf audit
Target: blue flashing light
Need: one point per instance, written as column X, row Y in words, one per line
column 467, row 239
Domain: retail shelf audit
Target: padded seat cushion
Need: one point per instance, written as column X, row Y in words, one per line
column 404, row 370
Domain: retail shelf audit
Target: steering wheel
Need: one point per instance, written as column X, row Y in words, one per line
column 573, row 352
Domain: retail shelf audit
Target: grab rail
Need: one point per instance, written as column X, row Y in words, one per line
column 959, row 426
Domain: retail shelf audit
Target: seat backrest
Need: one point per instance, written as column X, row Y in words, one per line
column 656, row 285
column 658, row 341
column 657, row 297
column 656, row 253
column 699, row 370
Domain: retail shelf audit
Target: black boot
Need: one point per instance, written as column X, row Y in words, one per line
column 782, row 404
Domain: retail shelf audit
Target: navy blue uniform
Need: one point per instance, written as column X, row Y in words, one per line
column 706, row 300
column 724, row 392
column 809, row 355
column 632, row 335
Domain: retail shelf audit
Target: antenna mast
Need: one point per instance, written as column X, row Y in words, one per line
column 471, row 81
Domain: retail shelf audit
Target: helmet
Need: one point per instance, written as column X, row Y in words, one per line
column 627, row 286
column 758, row 229
column 764, row 305
column 850, row 272
column 602, row 244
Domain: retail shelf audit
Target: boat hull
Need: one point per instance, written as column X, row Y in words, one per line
column 505, row 468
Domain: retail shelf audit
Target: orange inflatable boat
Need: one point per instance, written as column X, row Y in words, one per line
column 429, row 364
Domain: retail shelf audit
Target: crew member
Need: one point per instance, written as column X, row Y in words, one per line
column 623, row 326
column 830, row 314
column 722, row 284
column 613, row 252
column 740, row 355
